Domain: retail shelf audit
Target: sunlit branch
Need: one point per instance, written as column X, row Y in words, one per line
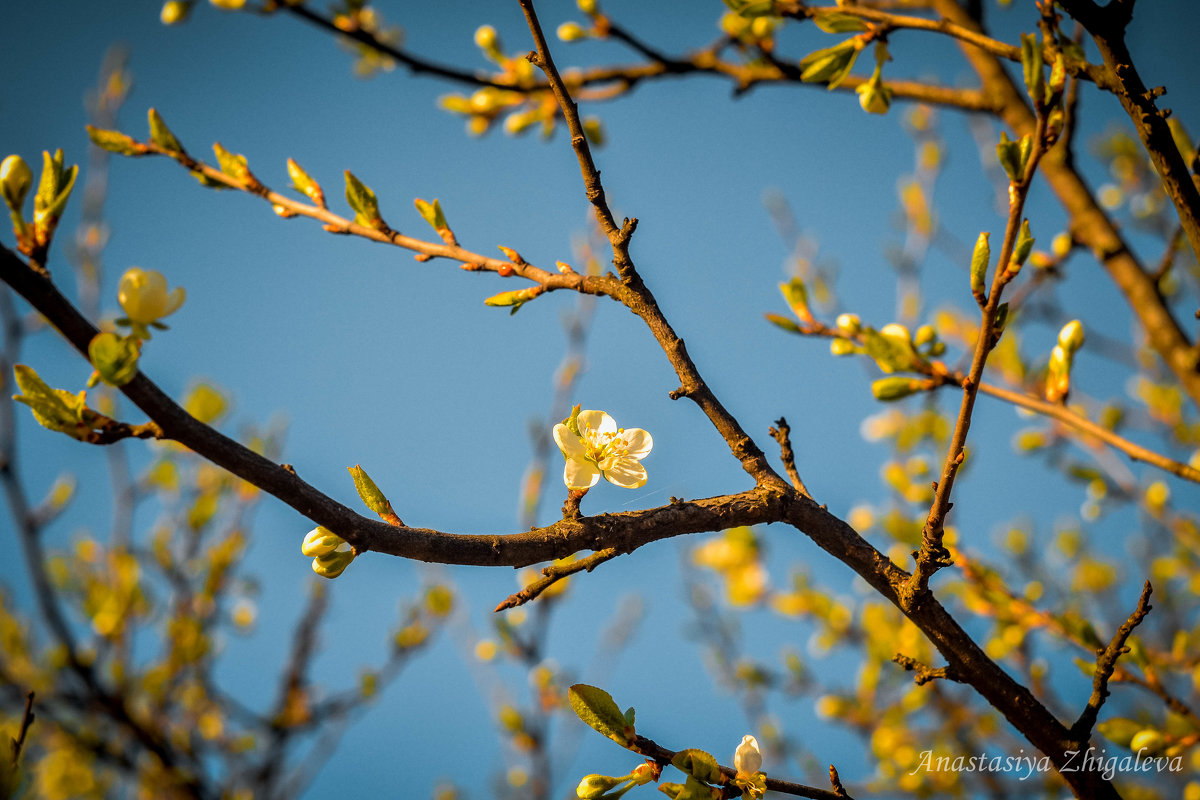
column 933, row 555
column 1106, row 663
column 651, row 749
column 555, row 573
column 1089, row 224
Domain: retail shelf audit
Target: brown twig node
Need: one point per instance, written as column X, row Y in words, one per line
column 925, row 674
column 781, row 433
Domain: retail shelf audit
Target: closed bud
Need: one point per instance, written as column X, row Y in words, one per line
column 842, row 347
column 510, row 254
column 979, row 265
column 488, row 41
column 1070, row 338
column 333, row 564
column 114, row 357
column 1009, row 154
column 369, row 492
column 15, row 180
column 873, row 96
column 924, row 335
column 849, row 323
column 228, row 5
column 747, row 759
column 174, row 12
column 320, row 541
column 586, row 6
column 593, row 786
column 571, row 32
column 897, row 388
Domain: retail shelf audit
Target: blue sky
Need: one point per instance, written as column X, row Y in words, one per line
column 374, row 359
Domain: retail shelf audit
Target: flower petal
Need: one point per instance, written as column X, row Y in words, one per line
column 570, row 444
column 580, row 473
column 637, row 443
column 175, row 300
column 627, row 473
column 596, row 421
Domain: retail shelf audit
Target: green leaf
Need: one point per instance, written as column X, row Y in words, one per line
column 54, row 409
column 796, row 295
column 362, row 201
column 830, row 65
column 114, row 142
column 369, row 492
column 1031, row 65
column 431, row 213
column 837, row 22
column 231, row 164
column 598, row 711
column 54, row 188
column 699, row 765
column 783, row 322
column 114, row 357
column 630, row 712
column 161, row 135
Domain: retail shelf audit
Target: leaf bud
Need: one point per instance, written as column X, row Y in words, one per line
column 593, row 786
column 1022, row 248
column 571, row 32
column 114, row 357
column 849, row 323
column 161, row 135
column 369, row 492
column 1070, row 338
column 174, row 12
column 1009, row 154
column 897, row 388
column 979, row 265
column 841, row 347
column 15, row 181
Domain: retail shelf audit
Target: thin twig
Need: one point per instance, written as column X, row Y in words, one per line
column 1106, row 663
column 780, row 434
column 555, row 573
column 925, row 673
column 651, row 749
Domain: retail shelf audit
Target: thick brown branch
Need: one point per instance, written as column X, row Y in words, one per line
column 1106, row 663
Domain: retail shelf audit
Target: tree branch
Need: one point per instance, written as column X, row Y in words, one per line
column 1089, row 224
column 1106, row 663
